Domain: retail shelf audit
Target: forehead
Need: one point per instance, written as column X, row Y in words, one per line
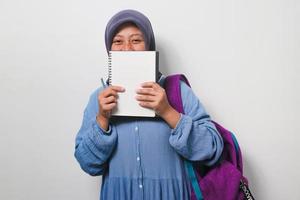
column 128, row 28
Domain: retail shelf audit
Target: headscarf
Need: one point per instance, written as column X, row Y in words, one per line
column 133, row 16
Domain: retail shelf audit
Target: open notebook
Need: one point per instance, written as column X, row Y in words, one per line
column 129, row 69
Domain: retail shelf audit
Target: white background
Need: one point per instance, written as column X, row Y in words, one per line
column 242, row 59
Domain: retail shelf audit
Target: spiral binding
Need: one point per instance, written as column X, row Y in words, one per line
column 109, row 68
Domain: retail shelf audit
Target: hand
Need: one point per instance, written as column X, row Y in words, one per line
column 152, row 96
column 107, row 101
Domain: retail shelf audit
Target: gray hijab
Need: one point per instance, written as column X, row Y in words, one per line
column 133, row 16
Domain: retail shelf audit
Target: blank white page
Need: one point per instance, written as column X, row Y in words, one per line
column 129, row 69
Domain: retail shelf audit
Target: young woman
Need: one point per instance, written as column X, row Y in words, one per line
column 142, row 158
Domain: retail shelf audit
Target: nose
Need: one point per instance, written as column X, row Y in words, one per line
column 127, row 47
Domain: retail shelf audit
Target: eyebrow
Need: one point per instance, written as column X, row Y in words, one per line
column 117, row 36
column 135, row 34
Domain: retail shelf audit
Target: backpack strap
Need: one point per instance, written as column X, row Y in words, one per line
column 172, row 88
column 194, row 182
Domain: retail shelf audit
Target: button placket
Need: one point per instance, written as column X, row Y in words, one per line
column 138, row 158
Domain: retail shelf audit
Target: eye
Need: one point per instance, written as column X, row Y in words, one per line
column 117, row 41
column 137, row 40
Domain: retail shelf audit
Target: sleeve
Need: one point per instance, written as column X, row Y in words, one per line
column 195, row 137
column 93, row 145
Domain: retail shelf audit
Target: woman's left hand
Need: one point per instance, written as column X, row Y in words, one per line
column 152, row 95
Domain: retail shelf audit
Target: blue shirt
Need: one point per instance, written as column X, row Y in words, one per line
column 142, row 158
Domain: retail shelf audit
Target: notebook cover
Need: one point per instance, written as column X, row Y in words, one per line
column 129, row 69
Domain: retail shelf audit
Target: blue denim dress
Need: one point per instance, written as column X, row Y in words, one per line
column 142, row 158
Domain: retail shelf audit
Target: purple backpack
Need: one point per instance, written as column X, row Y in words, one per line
column 224, row 180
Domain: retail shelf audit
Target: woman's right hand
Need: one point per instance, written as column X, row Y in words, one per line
column 107, row 100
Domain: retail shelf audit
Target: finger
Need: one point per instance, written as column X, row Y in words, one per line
column 146, row 104
column 146, row 91
column 110, row 92
column 110, row 99
column 109, row 107
column 145, row 98
column 117, row 88
column 149, row 84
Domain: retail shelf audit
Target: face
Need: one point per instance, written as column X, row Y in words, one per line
column 128, row 38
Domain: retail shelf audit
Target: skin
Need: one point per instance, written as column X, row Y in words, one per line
column 150, row 95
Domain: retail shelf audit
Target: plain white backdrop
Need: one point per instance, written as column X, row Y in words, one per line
column 242, row 59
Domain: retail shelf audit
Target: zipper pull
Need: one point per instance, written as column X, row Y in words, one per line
column 244, row 187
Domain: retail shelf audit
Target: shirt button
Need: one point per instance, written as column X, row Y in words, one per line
column 136, row 128
column 141, row 186
column 138, row 158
